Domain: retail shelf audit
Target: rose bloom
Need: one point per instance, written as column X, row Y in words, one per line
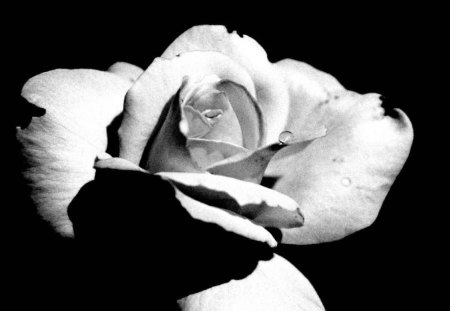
column 213, row 117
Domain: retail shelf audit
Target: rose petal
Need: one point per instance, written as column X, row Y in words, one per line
column 262, row 205
column 171, row 151
column 168, row 151
column 118, row 164
column 226, row 220
column 307, row 87
column 158, row 84
column 248, row 112
column 207, row 152
column 197, row 126
column 226, row 127
column 341, row 180
column 271, row 92
column 127, row 71
column 251, row 166
column 201, row 211
column 274, row 285
column 60, row 147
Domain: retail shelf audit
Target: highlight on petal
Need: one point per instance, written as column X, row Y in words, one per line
column 229, row 221
column 340, row 180
column 60, row 147
column 261, row 205
column 274, row 285
column 271, row 92
column 156, row 87
column 127, row 71
column 117, row 164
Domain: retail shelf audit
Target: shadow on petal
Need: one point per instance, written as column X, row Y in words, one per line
column 136, row 243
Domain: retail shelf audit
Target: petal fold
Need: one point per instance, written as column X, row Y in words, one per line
column 251, row 165
column 261, row 205
column 248, row 112
column 168, row 151
column 226, row 220
column 207, row 152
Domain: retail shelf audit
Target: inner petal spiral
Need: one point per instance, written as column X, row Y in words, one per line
column 209, row 113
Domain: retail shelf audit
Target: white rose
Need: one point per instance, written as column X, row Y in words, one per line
column 207, row 116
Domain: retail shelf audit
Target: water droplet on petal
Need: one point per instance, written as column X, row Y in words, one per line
column 285, row 137
column 346, row 181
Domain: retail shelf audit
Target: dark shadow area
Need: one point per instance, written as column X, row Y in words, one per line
column 27, row 112
column 135, row 242
column 393, row 265
column 112, row 131
column 34, row 257
column 269, row 181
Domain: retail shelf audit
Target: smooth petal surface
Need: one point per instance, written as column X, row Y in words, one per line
column 308, row 87
column 271, row 92
column 155, row 88
column 168, row 151
column 207, row 152
column 274, row 285
column 248, row 112
column 60, row 147
column 127, row 71
column 261, row 205
column 251, row 165
column 341, row 180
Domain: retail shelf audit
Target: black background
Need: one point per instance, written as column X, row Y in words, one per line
column 384, row 267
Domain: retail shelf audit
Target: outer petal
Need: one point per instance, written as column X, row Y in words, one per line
column 60, row 147
column 341, row 180
column 208, row 213
column 262, row 205
column 127, row 71
column 274, row 285
column 155, row 88
column 271, row 91
column 226, row 220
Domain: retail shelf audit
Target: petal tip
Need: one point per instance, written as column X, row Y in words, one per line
column 299, row 217
column 402, row 120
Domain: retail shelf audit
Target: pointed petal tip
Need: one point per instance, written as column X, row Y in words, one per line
column 402, row 120
column 117, row 164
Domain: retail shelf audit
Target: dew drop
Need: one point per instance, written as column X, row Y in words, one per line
column 346, row 181
column 285, row 137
